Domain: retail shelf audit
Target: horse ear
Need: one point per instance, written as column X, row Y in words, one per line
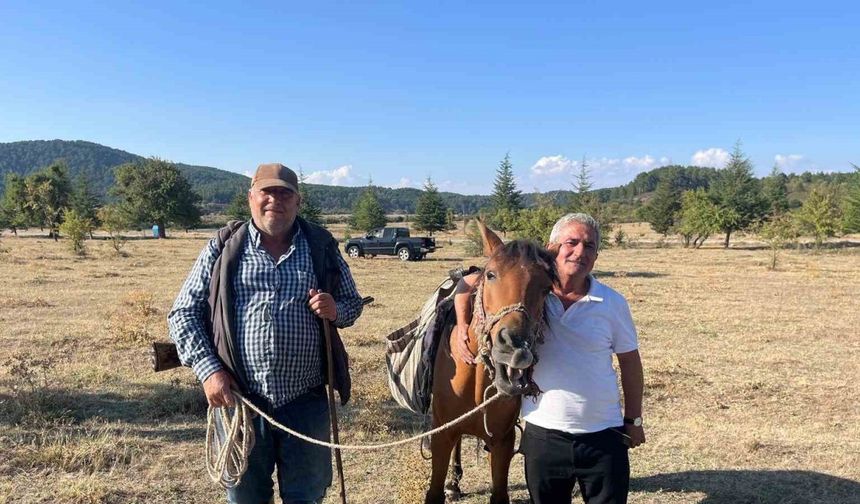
column 491, row 239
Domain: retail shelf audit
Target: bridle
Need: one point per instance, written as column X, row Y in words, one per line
column 484, row 323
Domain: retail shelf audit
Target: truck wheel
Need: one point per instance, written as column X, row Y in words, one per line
column 353, row 251
column 404, row 253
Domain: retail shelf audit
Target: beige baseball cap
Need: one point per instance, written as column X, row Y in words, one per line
column 275, row 174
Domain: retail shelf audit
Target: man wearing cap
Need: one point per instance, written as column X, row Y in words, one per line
column 249, row 317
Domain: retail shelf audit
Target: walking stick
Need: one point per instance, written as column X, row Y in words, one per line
column 331, row 409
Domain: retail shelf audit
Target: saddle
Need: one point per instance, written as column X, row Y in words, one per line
column 410, row 352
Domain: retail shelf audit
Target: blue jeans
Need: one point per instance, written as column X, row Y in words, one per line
column 304, row 469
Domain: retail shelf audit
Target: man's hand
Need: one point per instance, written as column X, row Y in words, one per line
column 636, row 435
column 461, row 348
column 217, row 388
column 322, row 304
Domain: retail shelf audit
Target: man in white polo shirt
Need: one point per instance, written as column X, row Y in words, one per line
column 575, row 430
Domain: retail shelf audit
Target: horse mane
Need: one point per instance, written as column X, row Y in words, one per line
column 528, row 252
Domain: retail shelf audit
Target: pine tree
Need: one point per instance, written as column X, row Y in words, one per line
column 664, row 205
column 238, row 208
column 581, row 200
column 738, row 194
column 585, row 200
column 774, row 189
column 17, row 213
column 506, row 199
column 431, row 213
column 85, row 203
column 310, row 209
column 367, row 214
column 820, row 214
column 851, row 206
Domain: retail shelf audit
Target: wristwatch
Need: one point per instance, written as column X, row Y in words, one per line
column 636, row 422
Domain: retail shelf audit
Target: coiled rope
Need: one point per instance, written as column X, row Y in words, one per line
column 227, row 449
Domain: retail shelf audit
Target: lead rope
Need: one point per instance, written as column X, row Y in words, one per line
column 227, row 449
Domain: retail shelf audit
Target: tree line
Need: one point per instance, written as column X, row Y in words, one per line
column 693, row 203
column 146, row 192
column 736, row 201
column 96, row 164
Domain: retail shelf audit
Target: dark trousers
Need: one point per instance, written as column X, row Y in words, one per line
column 555, row 461
column 303, row 469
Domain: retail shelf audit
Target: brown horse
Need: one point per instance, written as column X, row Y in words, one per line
column 506, row 324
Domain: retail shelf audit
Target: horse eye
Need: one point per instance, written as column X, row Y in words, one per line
column 491, row 275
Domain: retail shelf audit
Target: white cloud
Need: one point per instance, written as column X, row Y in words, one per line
column 341, row 175
column 646, row 162
column 557, row 172
column 713, row 157
column 404, row 182
column 550, row 165
column 794, row 163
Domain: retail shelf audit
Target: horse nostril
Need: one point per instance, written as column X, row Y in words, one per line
column 505, row 337
column 521, row 359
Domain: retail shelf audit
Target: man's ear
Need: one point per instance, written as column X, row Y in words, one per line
column 553, row 248
column 491, row 240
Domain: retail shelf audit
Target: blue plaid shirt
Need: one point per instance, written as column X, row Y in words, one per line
column 277, row 335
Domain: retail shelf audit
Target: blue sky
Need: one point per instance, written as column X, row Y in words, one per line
column 402, row 91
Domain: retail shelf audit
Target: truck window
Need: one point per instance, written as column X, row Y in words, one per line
column 378, row 233
column 402, row 233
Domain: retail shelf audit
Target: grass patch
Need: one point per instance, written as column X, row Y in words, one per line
column 750, row 376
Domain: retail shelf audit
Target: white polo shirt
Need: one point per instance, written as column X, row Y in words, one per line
column 574, row 372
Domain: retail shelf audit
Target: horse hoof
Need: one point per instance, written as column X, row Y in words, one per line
column 452, row 493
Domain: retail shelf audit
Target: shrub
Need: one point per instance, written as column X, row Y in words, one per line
column 114, row 221
column 76, row 228
column 135, row 319
column 474, row 242
column 619, row 240
column 780, row 231
column 30, row 373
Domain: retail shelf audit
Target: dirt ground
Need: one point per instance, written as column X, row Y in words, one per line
column 751, row 374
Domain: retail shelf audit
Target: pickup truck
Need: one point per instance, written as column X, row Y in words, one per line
column 390, row 241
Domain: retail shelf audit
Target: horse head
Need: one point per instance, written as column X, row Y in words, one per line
column 509, row 304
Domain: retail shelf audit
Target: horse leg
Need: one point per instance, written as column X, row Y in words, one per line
column 441, row 445
column 501, row 453
column 455, row 473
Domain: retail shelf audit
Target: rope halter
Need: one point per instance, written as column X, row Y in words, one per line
column 484, row 323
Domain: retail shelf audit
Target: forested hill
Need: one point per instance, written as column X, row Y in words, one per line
column 218, row 187
column 96, row 163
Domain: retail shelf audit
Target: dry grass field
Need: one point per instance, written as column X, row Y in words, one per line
column 752, row 375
